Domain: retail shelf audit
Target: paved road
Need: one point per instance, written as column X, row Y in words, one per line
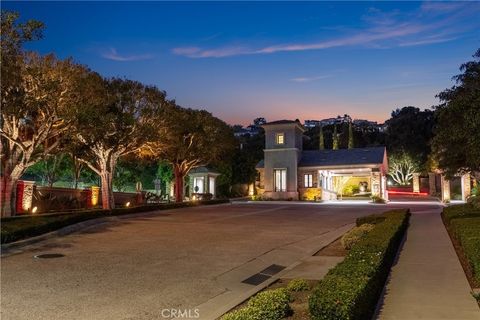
column 135, row 268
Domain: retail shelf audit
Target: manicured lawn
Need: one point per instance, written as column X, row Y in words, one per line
column 463, row 225
column 21, row 227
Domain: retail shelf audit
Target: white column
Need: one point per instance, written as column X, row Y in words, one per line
column 445, row 189
column 466, row 189
column 375, row 182
column 431, row 183
column 416, row 182
column 384, row 188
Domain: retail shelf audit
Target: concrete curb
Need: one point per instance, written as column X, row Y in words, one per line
column 223, row 303
column 12, row 248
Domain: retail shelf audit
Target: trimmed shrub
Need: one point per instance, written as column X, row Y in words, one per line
column 377, row 199
column 370, row 219
column 311, row 194
column 351, row 189
column 460, row 211
column 242, row 314
column 296, row 285
column 474, row 201
column 271, row 304
column 266, row 305
column 355, row 234
column 467, row 231
column 351, row 289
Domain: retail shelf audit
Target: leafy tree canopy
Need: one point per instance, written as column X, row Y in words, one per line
column 457, row 135
column 410, row 130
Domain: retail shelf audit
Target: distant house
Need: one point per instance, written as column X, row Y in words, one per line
column 327, row 122
column 289, row 172
column 250, row 130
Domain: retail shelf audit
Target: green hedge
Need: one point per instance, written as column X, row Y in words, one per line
column 460, row 211
column 464, row 222
column 467, row 231
column 266, row 305
column 370, row 219
column 351, row 289
column 21, row 227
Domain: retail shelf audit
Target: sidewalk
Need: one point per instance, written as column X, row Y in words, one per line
column 428, row 281
column 297, row 256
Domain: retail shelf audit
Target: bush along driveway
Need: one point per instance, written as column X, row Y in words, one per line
column 348, row 291
column 351, row 289
column 463, row 225
column 22, row 227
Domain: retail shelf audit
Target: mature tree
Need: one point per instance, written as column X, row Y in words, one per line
column 335, row 139
column 165, row 174
column 402, row 167
column 457, row 135
column 12, row 38
column 75, row 150
column 192, row 138
column 51, row 169
column 259, row 121
column 38, row 94
column 410, row 130
column 350, row 136
column 117, row 119
column 321, row 142
column 248, row 153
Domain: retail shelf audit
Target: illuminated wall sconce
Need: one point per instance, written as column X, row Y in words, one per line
column 127, row 204
column 34, row 210
column 95, row 195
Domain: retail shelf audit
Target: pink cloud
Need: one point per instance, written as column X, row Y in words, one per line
column 386, row 29
column 112, row 54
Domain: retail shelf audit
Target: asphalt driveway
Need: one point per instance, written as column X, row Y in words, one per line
column 138, row 267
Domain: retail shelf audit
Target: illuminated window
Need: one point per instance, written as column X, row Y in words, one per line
column 308, row 180
column 280, row 138
column 280, row 180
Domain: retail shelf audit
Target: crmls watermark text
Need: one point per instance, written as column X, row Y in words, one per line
column 181, row 313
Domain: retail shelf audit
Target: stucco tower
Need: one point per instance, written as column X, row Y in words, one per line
column 283, row 150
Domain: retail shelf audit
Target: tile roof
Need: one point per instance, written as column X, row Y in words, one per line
column 313, row 158
column 203, row 170
column 356, row 156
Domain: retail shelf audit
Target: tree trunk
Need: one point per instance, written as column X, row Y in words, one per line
column 8, row 196
column 108, row 202
column 179, row 176
column 77, row 169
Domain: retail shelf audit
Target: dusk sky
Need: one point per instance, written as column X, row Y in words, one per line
column 277, row 60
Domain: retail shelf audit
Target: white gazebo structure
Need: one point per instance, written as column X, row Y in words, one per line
column 202, row 182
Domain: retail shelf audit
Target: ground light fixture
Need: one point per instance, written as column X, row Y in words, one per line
column 127, row 204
